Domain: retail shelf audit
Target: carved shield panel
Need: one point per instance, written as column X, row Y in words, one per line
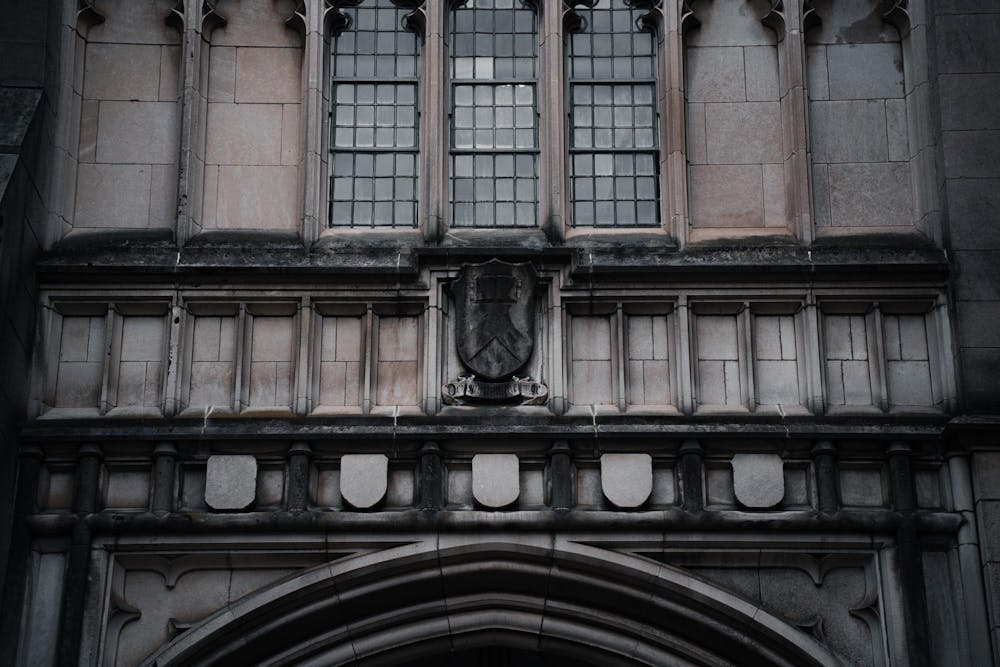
column 495, row 318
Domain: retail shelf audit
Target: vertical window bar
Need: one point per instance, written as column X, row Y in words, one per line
column 374, row 118
column 614, row 158
column 494, row 121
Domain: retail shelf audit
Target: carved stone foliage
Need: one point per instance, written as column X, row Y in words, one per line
column 841, row 608
column 155, row 597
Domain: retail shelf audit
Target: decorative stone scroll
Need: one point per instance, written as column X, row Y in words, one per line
column 468, row 388
column 495, row 334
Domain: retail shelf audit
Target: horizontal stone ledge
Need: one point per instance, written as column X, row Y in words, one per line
column 106, row 255
column 372, row 427
column 861, row 521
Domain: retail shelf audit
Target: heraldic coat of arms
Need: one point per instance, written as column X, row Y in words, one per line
column 495, row 334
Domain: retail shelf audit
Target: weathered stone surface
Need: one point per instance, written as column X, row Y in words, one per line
column 865, row 71
column 272, row 205
column 495, row 479
column 875, row 194
column 364, row 479
column 715, row 74
column 495, row 317
column 758, row 480
column 230, row 481
column 743, row 133
column 244, row 134
column 726, row 195
column 848, row 131
column 627, row 479
column 268, row 75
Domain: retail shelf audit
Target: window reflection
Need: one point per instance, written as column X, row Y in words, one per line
column 374, row 119
column 613, row 142
column 494, row 120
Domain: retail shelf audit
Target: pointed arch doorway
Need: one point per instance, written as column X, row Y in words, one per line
column 479, row 602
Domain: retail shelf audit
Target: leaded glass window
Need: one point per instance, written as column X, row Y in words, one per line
column 494, row 120
column 374, row 118
column 611, row 61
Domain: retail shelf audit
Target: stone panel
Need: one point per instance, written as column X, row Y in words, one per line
column 865, row 71
column 627, row 479
column 81, row 362
column 257, row 198
column 965, row 101
column 364, row 479
column 776, row 364
column 341, row 361
column 272, row 353
column 495, row 479
column 762, row 73
column 907, row 361
column 213, row 362
column 113, row 195
column 726, row 195
column 972, row 154
column 257, row 23
column 268, row 75
column 122, row 72
column 230, row 481
column 877, row 194
column 648, row 360
column 129, row 120
column 138, row 132
column 862, row 487
column 397, row 381
column 130, row 22
column 222, row 74
column 858, row 120
column 848, row 374
column 758, row 480
column 732, row 89
column 746, row 133
column 592, row 379
column 715, row 74
column 848, row 131
column 126, row 488
column 244, row 134
column 140, row 366
column 718, row 360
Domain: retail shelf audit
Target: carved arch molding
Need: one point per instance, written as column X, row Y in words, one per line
column 420, row 600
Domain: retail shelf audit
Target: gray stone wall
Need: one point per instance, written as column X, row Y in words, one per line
column 29, row 66
column 965, row 52
column 761, row 414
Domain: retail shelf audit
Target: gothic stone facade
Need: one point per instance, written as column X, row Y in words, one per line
column 653, row 332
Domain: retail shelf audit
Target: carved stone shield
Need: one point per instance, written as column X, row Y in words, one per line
column 495, row 318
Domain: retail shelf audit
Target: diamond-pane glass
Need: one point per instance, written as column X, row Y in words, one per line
column 613, row 119
column 494, row 118
column 374, row 119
